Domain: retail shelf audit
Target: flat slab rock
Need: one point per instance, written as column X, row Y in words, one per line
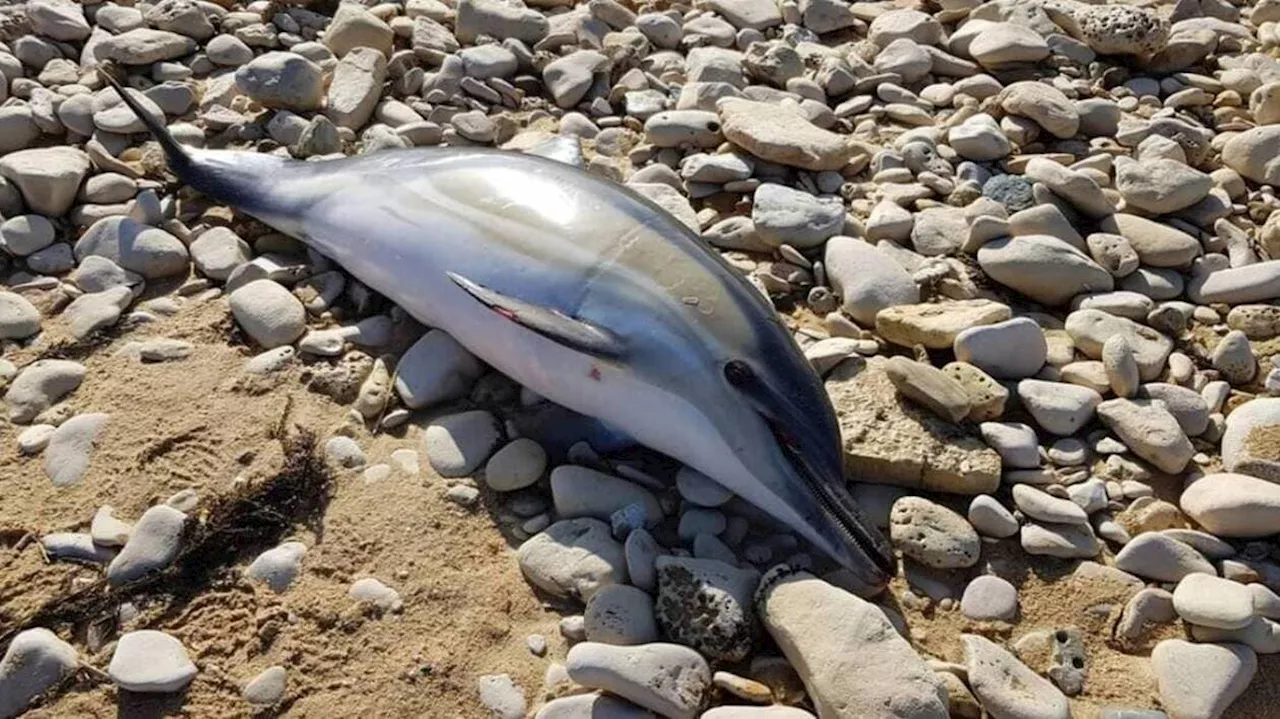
column 888, row 439
column 830, row 635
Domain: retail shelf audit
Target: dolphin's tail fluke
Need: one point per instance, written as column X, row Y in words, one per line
column 180, row 160
column 225, row 176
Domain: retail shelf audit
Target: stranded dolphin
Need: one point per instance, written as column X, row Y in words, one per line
column 583, row 291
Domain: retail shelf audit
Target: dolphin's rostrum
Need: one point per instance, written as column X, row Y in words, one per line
column 586, row 293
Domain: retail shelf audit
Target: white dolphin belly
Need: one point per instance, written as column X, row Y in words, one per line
column 415, row 279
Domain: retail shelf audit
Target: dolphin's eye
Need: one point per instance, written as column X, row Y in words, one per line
column 737, row 372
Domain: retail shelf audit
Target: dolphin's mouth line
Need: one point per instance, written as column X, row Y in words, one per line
column 838, row 509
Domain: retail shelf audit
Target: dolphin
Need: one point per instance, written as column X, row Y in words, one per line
column 585, row 292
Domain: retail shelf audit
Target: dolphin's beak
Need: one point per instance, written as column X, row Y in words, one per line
column 848, row 536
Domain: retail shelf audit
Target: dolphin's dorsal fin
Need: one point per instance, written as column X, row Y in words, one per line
column 546, row 321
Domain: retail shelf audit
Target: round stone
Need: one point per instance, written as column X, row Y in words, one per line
column 517, row 465
column 150, row 661
column 989, row 598
column 620, row 614
column 1210, row 601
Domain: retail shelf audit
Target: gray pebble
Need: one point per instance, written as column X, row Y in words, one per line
column 153, row 545
column 35, row 661
column 70, row 448
column 458, row 444
column 279, row 566
column 267, row 688
column 150, row 661
column 620, row 614
column 373, row 592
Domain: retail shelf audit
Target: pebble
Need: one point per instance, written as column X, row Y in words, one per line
column 282, row 80
column 989, row 598
column 1150, row 431
column 39, row 385
column 228, row 51
column 573, row 558
column 344, row 452
column 435, row 369
column 48, row 178
column 1201, row 680
column 829, row 635
column 266, row 688
column 1261, row 635
column 1121, row 366
column 25, row 234
column 783, row 215
column 155, row 542
column 1090, row 329
column 1257, row 282
column 1043, row 104
column 1160, row 186
column 582, row 492
column 517, row 465
column 502, row 696
column 1006, row 686
column 1211, row 601
column 987, row 397
column 354, row 27
column 19, row 319
column 990, row 518
column 279, row 566
column 70, row 448
column 1247, row 443
column 1186, row 405
column 1233, row 505
column 1060, row 409
column 866, row 278
column 668, row 679
column 271, row 361
column 1065, row 541
column 932, row 534
column 268, row 312
column 219, row 251
column 79, row 547
column 150, row 661
column 108, row 531
column 374, row 593
column 1233, row 357
column 641, row 552
column 620, row 614
column 1012, row 349
column 35, row 661
column 979, row 138
column 458, row 444
column 1147, row 606
column 936, row 325
column 1047, row 508
column 707, row 604
column 928, row 386
column 1154, row 556
column 1016, row 442
column 1043, row 268
column 781, row 135
column 592, row 706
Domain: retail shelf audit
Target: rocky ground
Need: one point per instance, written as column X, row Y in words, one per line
column 1029, row 244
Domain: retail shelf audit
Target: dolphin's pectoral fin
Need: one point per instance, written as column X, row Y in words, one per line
column 548, row 322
